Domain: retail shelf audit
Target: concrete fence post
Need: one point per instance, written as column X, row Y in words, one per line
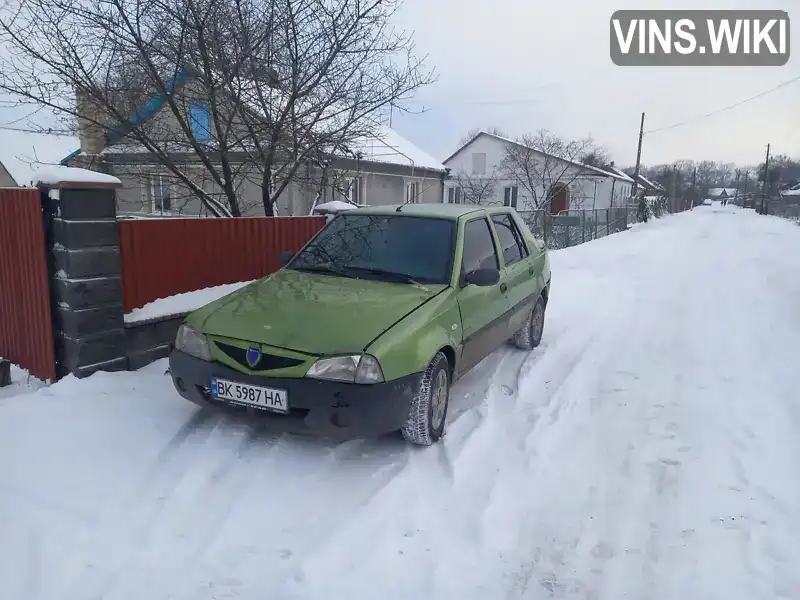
column 85, row 271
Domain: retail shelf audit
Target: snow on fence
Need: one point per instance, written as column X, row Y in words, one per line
column 786, row 209
column 570, row 228
column 164, row 257
column 26, row 330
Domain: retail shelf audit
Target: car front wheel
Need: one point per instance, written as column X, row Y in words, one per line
column 426, row 417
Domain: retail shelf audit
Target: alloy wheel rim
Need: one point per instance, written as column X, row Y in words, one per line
column 537, row 321
column 438, row 399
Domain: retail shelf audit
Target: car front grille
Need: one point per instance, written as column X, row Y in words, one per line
column 268, row 362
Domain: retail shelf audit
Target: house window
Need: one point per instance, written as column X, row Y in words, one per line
column 510, row 196
column 353, row 190
column 454, row 195
column 479, row 163
column 412, row 192
column 200, row 122
column 158, row 193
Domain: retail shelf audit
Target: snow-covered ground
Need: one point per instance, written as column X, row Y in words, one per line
column 648, row 449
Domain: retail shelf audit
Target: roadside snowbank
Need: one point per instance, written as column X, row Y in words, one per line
column 182, row 303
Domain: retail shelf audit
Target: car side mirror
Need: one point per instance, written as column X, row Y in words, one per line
column 285, row 257
column 483, row 277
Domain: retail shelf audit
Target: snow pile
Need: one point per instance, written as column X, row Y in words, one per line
column 334, row 206
column 182, row 303
column 648, row 449
column 53, row 175
column 22, row 383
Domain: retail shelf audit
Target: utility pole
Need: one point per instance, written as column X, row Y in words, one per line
column 736, row 193
column 765, row 186
column 746, row 176
column 694, row 185
column 673, row 196
column 638, row 161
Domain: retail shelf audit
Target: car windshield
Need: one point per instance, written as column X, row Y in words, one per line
column 393, row 247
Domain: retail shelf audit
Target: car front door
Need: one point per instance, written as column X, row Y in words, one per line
column 483, row 308
column 518, row 272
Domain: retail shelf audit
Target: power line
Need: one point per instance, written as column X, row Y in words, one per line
column 725, row 109
column 55, row 132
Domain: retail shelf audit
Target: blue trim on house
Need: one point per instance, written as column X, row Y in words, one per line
column 66, row 159
column 152, row 106
column 200, row 121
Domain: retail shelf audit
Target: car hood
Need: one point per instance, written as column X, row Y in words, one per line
column 312, row 313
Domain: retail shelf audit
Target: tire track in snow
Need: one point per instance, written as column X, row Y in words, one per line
column 128, row 531
column 320, row 494
column 201, row 521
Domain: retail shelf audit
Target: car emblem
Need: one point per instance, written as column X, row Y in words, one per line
column 253, row 356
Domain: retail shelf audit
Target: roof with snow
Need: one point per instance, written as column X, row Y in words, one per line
column 619, row 173
column 652, row 184
column 23, row 153
column 592, row 169
column 714, row 192
column 388, row 146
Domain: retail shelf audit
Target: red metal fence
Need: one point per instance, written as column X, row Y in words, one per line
column 26, row 329
column 164, row 257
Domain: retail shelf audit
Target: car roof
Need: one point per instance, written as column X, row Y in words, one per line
column 437, row 210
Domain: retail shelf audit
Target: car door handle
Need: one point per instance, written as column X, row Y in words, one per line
column 503, row 288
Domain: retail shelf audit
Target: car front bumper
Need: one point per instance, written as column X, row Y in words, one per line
column 329, row 408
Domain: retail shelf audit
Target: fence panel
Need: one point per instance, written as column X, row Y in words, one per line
column 26, row 326
column 164, row 257
column 573, row 227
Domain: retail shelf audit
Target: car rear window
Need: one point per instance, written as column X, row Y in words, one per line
column 420, row 247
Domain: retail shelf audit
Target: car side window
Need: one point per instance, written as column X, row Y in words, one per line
column 479, row 250
column 511, row 241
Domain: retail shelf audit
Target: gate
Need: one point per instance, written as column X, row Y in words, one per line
column 26, row 327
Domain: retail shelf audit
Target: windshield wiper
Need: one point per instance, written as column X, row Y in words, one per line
column 324, row 269
column 402, row 277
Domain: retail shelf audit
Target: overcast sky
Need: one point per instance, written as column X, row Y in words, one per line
column 523, row 65
column 529, row 64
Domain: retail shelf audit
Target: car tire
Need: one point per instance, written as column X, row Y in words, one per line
column 530, row 334
column 428, row 411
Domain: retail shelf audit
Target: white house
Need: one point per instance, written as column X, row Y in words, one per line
column 477, row 176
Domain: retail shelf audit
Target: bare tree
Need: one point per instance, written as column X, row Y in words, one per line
column 289, row 85
column 472, row 133
column 541, row 162
column 596, row 157
column 477, row 189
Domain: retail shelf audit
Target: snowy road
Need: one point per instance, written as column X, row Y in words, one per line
column 648, row 449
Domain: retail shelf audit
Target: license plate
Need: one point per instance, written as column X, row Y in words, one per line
column 250, row 395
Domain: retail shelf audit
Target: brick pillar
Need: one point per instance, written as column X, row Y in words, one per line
column 85, row 274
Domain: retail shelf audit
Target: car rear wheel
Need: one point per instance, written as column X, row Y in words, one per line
column 428, row 412
column 529, row 336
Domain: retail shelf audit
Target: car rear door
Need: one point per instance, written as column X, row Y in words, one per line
column 484, row 310
column 518, row 274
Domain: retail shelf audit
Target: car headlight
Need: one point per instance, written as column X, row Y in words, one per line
column 192, row 342
column 358, row 368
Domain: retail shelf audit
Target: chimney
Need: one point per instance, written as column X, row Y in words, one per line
column 92, row 135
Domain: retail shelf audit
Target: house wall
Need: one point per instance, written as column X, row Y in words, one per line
column 462, row 164
column 377, row 189
column 582, row 188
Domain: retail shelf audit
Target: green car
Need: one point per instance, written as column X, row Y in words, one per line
column 365, row 329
